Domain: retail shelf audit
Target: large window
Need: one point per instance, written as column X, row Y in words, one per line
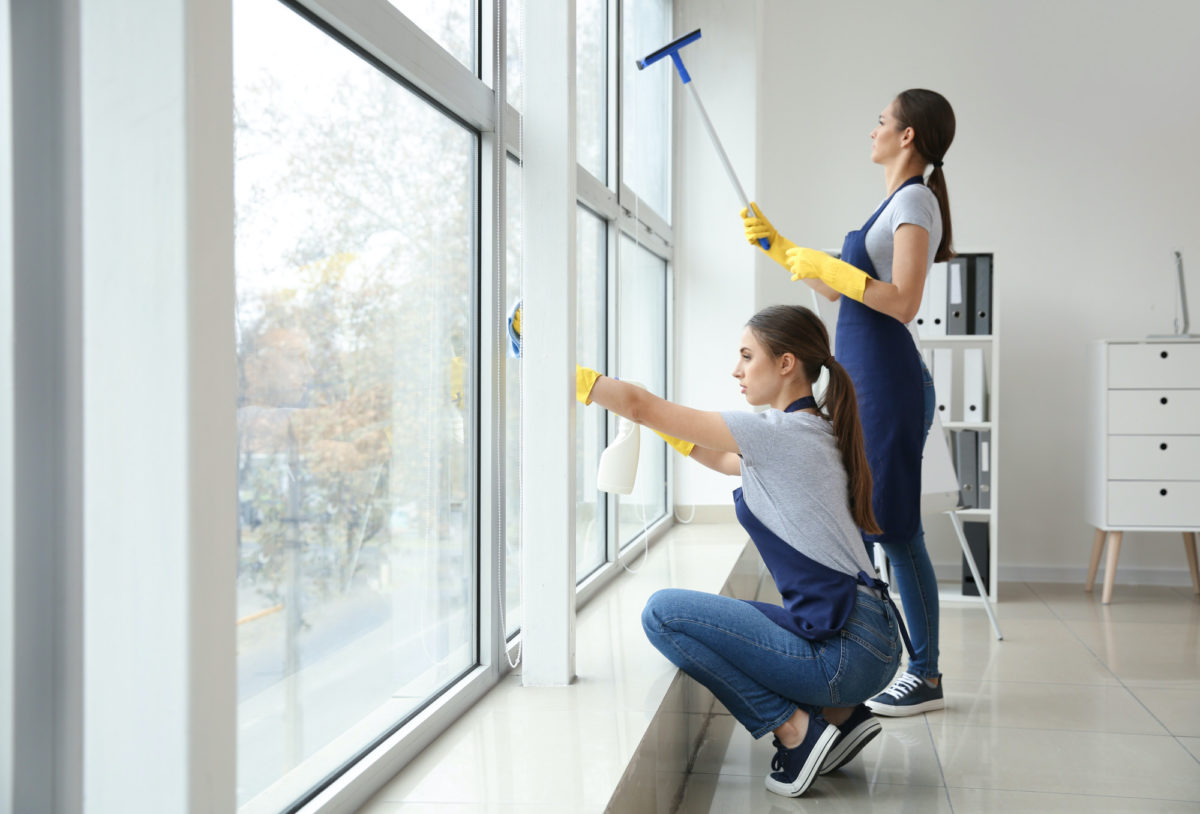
column 646, row 104
column 590, row 348
column 642, row 353
column 512, row 414
column 591, row 86
column 355, row 270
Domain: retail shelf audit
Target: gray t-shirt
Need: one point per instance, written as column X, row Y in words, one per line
column 913, row 204
column 794, row 483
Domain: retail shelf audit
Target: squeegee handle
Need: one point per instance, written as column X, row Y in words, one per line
column 733, row 179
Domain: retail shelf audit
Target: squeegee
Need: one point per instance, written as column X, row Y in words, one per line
column 672, row 50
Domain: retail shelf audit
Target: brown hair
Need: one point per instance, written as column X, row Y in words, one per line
column 932, row 120
column 797, row 330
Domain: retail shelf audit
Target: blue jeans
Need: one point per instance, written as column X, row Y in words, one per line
column 763, row 673
column 915, row 581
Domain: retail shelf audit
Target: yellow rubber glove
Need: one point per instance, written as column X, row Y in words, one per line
column 837, row 274
column 684, row 447
column 757, row 226
column 585, row 380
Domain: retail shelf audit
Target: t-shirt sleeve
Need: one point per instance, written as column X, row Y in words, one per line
column 916, row 205
column 752, row 431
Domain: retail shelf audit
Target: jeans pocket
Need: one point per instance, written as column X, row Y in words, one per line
column 872, row 628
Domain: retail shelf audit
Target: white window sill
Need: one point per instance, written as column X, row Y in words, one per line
column 626, row 726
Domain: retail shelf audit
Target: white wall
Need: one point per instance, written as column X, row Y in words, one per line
column 714, row 267
column 1073, row 162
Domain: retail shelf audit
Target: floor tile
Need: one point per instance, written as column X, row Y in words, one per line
column 1177, row 708
column 991, row 801
column 1032, row 650
column 1131, row 603
column 902, row 754
column 1105, row 764
column 1017, row 601
column 722, row 794
column 1037, row 705
column 1163, row 653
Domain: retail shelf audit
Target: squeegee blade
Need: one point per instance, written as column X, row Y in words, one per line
column 667, row 49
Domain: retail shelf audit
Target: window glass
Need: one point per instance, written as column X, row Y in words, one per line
column 355, row 263
column 642, row 349
column 590, row 347
column 515, row 20
column 453, row 24
column 512, row 415
column 591, row 83
column 646, row 103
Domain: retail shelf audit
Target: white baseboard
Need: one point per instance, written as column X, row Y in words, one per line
column 1171, row 577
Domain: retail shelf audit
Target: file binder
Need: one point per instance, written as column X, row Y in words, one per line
column 977, row 541
column 974, row 388
column 956, row 297
column 966, row 451
column 921, row 320
column 985, row 470
column 935, row 296
column 980, row 294
column 943, row 380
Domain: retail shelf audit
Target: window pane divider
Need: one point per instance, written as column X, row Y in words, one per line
column 653, row 223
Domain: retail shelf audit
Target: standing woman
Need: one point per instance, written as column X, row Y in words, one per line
column 801, row 670
column 880, row 280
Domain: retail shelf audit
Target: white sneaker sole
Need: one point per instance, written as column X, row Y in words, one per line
column 902, row 711
column 848, row 747
column 808, row 772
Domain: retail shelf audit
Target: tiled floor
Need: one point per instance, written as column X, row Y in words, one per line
column 1082, row 707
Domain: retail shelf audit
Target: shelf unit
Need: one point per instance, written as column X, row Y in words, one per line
column 953, row 421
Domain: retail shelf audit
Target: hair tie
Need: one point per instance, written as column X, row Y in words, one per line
column 828, row 362
column 937, row 165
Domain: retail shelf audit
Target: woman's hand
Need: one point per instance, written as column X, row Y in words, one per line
column 757, row 227
column 585, row 380
column 808, row 264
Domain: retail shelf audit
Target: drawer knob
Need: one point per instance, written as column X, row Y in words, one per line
column 1163, row 445
column 1163, row 354
column 1162, row 400
column 1162, row 492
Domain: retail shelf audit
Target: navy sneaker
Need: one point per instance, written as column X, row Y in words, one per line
column 908, row 695
column 796, row 768
column 853, row 734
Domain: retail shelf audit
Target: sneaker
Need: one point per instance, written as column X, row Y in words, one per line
column 796, row 768
column 853, row 734
column 908, row 695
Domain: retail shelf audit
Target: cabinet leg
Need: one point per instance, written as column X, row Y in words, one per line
column 1110, row 568
column 1094, row 565
column 1189, row 545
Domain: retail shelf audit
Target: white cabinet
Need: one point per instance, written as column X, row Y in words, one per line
column 1143, row 469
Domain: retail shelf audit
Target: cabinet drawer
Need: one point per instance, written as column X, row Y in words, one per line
column 1159, row 365
column 1154, row 503
column 1154, row 457
column 1153, row 412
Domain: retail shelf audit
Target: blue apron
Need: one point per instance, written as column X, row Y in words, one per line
column 883, row 362
column 817, row 599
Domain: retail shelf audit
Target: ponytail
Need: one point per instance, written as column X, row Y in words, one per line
column 932, row 120
column 937, row 185
column 841, row 405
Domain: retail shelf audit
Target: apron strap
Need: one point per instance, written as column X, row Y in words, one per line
column 882, row 587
